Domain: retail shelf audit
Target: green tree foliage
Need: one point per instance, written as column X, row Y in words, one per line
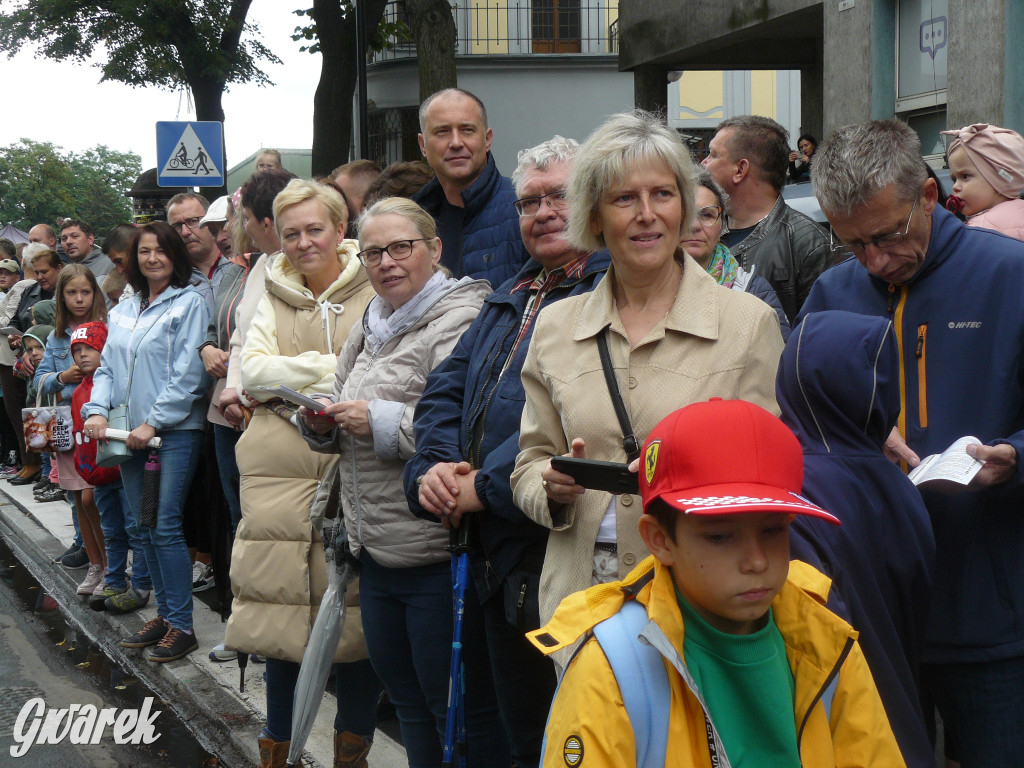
column 38, row 183
column 164, row 43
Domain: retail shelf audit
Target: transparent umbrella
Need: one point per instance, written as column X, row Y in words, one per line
column 342, row 570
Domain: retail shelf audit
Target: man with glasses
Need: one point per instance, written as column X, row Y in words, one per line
column 467, row 438
column 749, row 158
column 953, row 294
column 185, row 212
column 77, row 242
column 469, row 199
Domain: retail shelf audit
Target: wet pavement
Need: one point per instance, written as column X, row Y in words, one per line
column 45, row 658
column 205, row 721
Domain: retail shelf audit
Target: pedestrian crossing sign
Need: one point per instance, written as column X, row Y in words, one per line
column 190, row 154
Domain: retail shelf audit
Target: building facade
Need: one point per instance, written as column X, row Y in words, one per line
column 933, row 63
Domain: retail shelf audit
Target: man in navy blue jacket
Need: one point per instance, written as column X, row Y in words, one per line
column 470, row 200
column 467, row 439
column 954, row 296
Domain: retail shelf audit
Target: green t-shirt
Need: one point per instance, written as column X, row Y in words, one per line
column 747, row 685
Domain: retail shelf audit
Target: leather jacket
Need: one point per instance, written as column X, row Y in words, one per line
column 789, row 250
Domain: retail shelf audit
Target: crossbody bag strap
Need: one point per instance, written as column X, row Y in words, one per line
column 629, row 442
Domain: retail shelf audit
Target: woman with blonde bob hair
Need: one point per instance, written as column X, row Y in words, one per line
column 405, row 584
column 674, row 337
column 316, row 291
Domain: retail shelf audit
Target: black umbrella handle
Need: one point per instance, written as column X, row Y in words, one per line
column 458, row 538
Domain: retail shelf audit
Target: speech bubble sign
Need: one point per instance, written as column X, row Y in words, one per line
column 933, row 35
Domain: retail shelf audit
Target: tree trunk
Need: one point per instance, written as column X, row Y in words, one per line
column 332, row 104
column 434, row 32
column 208, row 95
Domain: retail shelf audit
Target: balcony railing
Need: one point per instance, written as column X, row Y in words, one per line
column 486, row 27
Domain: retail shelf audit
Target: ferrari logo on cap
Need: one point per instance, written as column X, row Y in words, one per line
column 651, row 460
column 572, row 752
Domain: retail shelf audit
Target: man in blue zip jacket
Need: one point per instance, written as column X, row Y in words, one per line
column 470, row 200
column 954, row 296
column 467, row 439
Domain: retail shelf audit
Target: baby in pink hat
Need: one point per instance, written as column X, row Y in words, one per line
column 986, row 164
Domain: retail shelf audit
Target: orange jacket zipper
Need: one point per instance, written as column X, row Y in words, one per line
column 897, row 321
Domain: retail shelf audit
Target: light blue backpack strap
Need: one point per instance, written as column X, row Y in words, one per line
column 643, row 683
column 828, row 695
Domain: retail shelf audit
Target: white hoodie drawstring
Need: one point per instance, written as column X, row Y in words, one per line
column 326, row 308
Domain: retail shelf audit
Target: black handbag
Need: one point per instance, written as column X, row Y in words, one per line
column 521, row 590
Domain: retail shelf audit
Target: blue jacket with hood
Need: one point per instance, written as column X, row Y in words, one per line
column 491, row 247
column 959, row 323
column 838, row 388
column 470, row 411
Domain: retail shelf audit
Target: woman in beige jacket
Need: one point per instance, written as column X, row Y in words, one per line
column 315, row 293
column 675, row 337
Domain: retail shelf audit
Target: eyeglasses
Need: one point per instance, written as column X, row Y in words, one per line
column 192, row 224
column 886, row 241
column 530, row 206
column 398, row 250
column 708, row 215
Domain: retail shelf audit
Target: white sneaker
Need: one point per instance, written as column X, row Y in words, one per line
column 221, row 654
column 202, row 577
column 93, row 578
column 102, row 585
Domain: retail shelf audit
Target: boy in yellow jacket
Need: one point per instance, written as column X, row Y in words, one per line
column 764, row 674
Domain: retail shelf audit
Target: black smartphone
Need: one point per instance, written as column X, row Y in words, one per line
column 610, row 476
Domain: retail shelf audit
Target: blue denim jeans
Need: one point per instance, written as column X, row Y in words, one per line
column 224, row 440
column 78, row 542
column 982, row 708
column 170, row 566
column 407, row 620
column 120, row 531
column 356, row 686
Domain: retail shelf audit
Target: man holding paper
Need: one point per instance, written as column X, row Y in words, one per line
column 953, row 295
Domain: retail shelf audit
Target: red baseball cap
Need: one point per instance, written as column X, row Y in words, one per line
column 725, row 457
column 92, row 334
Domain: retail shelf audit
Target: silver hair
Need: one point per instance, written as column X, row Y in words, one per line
column 622, row 142
column 859, row 161
column 31, row 251
column 557, row 149
column 449, row 92
column 706, row 180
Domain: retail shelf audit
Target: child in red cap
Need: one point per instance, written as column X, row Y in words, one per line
column 716, row 650
column 116, row 595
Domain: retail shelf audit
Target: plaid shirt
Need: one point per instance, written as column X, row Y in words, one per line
column 539, row 287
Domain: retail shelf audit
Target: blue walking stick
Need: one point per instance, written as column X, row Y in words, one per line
column 455, row 722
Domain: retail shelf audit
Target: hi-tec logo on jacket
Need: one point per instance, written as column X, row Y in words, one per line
column 964, row 324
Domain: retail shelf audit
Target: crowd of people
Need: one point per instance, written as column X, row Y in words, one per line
column 769, row 380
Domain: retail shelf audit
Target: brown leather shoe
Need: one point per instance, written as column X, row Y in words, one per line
column 274, row 754
column 350, row 751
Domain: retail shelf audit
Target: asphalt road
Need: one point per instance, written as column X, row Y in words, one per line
column 41, row 657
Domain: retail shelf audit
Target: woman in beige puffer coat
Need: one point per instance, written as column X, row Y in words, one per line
column 316, row 292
